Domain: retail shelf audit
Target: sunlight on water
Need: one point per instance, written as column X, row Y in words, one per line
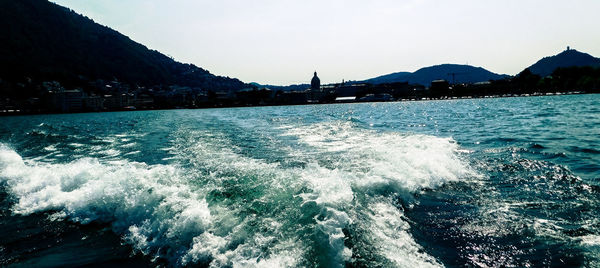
column 288, row 188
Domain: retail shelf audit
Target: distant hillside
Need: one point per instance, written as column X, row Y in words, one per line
column 44, row 41
column 567, row 58
column 390, row 78
column 424, row 76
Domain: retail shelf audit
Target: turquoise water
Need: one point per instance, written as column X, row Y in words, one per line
column 483, row 182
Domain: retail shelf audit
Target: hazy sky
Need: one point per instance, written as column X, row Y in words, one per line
column 283, row 42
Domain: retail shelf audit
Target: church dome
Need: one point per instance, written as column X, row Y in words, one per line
column 315, row 83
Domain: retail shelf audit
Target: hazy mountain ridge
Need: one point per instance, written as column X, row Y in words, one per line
column 567, row 58
column 424, row 76
column 45, row 41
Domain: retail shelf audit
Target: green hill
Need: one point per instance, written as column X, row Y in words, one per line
column 452, row 72
column 567, row 58
column 44, row 41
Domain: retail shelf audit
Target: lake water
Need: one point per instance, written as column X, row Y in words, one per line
column 481, row 182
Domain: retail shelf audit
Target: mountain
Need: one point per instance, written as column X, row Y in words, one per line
column 567, row 58
column 451, row 72
column 390, row 78
column 44, row 41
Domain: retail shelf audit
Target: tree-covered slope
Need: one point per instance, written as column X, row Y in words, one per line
column 44, row 41
column 567, row 58
column 451, row 72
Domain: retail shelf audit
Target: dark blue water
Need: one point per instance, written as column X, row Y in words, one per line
column 510, row 182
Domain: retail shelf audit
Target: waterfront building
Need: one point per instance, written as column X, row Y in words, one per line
column 315, row 83
column 93, row 103
column 315, row 92
column 67, row 101
column 440, row 88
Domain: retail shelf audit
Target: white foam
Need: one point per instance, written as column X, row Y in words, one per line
column 590, row 240
column 390, row 234
column 213, row 248
column 151, row 205
column 110, row 152
column 50, row 148
column 162, row 210
column 10, row 161
column 333, row 224
column 374, row 165
column 133, row 153
column 376, row 160
column 156, row 208
column 331, row 190
column 76, row 145
column 329, row 187
column 591, row 243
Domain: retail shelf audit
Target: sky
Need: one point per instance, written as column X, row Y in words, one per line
column 282, row 42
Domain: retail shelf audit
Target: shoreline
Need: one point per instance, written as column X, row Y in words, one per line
column 444, row 98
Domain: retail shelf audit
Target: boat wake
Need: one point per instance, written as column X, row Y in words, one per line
column 216, row 204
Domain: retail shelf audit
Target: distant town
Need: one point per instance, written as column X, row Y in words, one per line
column 116, row 96
column 101, row 95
